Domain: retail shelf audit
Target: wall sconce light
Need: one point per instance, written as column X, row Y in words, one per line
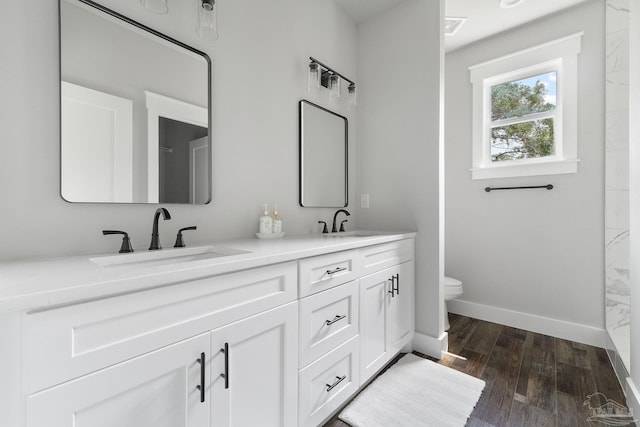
column 322, row 76
column 207, row 20
column 334, row 86
column 351, row 90
column 156, row 6
column 313, row 79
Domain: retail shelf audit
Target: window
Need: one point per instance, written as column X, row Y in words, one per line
column 525, row 112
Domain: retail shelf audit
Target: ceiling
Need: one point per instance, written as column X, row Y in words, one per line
column 485, row 18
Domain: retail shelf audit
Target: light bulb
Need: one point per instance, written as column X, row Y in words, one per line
column 156, row 6
column 207, row 20
column 313, row 78
column 334, row 86
column 506, row 4
column 352, row 94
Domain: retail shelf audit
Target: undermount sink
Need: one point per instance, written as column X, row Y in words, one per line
column 355, row 233
column 166, row 256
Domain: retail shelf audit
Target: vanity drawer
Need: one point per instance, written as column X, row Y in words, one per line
column 326, row 271
column 379, row 257
column 328, row 382
column 327, row 319
column 67, row 342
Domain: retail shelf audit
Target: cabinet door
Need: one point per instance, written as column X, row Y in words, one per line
column 158, row 389
column 400, row 308
column 373, row 302
column 254, row 367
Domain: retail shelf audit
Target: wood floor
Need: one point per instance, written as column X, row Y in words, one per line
column 531, row 379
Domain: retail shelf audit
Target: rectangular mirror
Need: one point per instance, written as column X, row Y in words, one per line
column 323, row 157
column 135, row 111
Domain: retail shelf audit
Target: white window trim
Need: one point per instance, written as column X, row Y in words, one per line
column 560, row 55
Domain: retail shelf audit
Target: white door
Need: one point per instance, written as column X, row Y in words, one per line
column 97, row 146
column 199, row 170
column 373, row 301
column 158, row 389
column 400, row 307
column 254, row 370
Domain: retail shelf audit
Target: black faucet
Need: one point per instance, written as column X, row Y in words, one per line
column 334, row 229
column 126, row 242
column 155, row 237
column 179, row 240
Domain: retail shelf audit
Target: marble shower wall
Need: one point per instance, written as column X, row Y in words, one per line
column 617, row 286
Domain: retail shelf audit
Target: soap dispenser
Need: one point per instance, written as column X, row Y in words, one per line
column 277, row 220
column 266, row 222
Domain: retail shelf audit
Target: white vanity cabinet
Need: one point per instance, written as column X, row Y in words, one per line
column 285, row 338
column 121, row 361
column 158, row 389
column 328, row 323
column 386, row 305
column 356, row 315
column 254, row 379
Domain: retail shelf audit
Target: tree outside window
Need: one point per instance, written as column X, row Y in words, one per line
column 522, row 118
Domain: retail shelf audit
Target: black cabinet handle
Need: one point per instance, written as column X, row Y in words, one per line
column 395, row 285
column 337, row 270
column 225, row 374
column 338, row 381
column 200, row 387
column 393, row 288
column 335, row 319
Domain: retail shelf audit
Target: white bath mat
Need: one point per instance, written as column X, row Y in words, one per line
column 415, row 392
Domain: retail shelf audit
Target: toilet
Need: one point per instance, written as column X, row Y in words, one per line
column 452, row 290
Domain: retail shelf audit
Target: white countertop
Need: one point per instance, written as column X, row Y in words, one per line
column 41, row 283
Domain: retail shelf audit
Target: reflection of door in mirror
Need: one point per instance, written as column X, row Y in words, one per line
column 199, row 171
column 182, row 147
column 98, row 132
column 323, row 157
column 171, row 125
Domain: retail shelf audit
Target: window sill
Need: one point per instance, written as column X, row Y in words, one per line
column 526, row 169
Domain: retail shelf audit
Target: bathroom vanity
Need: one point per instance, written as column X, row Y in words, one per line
column 252, row 332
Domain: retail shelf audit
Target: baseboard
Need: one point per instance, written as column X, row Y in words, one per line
column 618, row 365
column 542, row 325
column 429, row 345
column 633, row 399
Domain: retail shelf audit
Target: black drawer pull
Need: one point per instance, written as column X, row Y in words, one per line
column 200, row 387
column 335, row 319
column 225, row 374
column 397, row 277
column 338, row 381
column 337, row 270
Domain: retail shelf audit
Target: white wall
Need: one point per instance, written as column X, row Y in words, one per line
column 530, row 258
column 399, row 143
column 259, row 75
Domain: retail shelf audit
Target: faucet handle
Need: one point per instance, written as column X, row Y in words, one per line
column 324, row 229
column 179, row 241
column 126, row 242
column 342, row 225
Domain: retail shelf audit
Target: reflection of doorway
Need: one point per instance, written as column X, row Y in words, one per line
column 175, row 166
column 183, row 122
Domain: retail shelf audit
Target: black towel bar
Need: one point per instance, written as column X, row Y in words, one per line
column 548, row 187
